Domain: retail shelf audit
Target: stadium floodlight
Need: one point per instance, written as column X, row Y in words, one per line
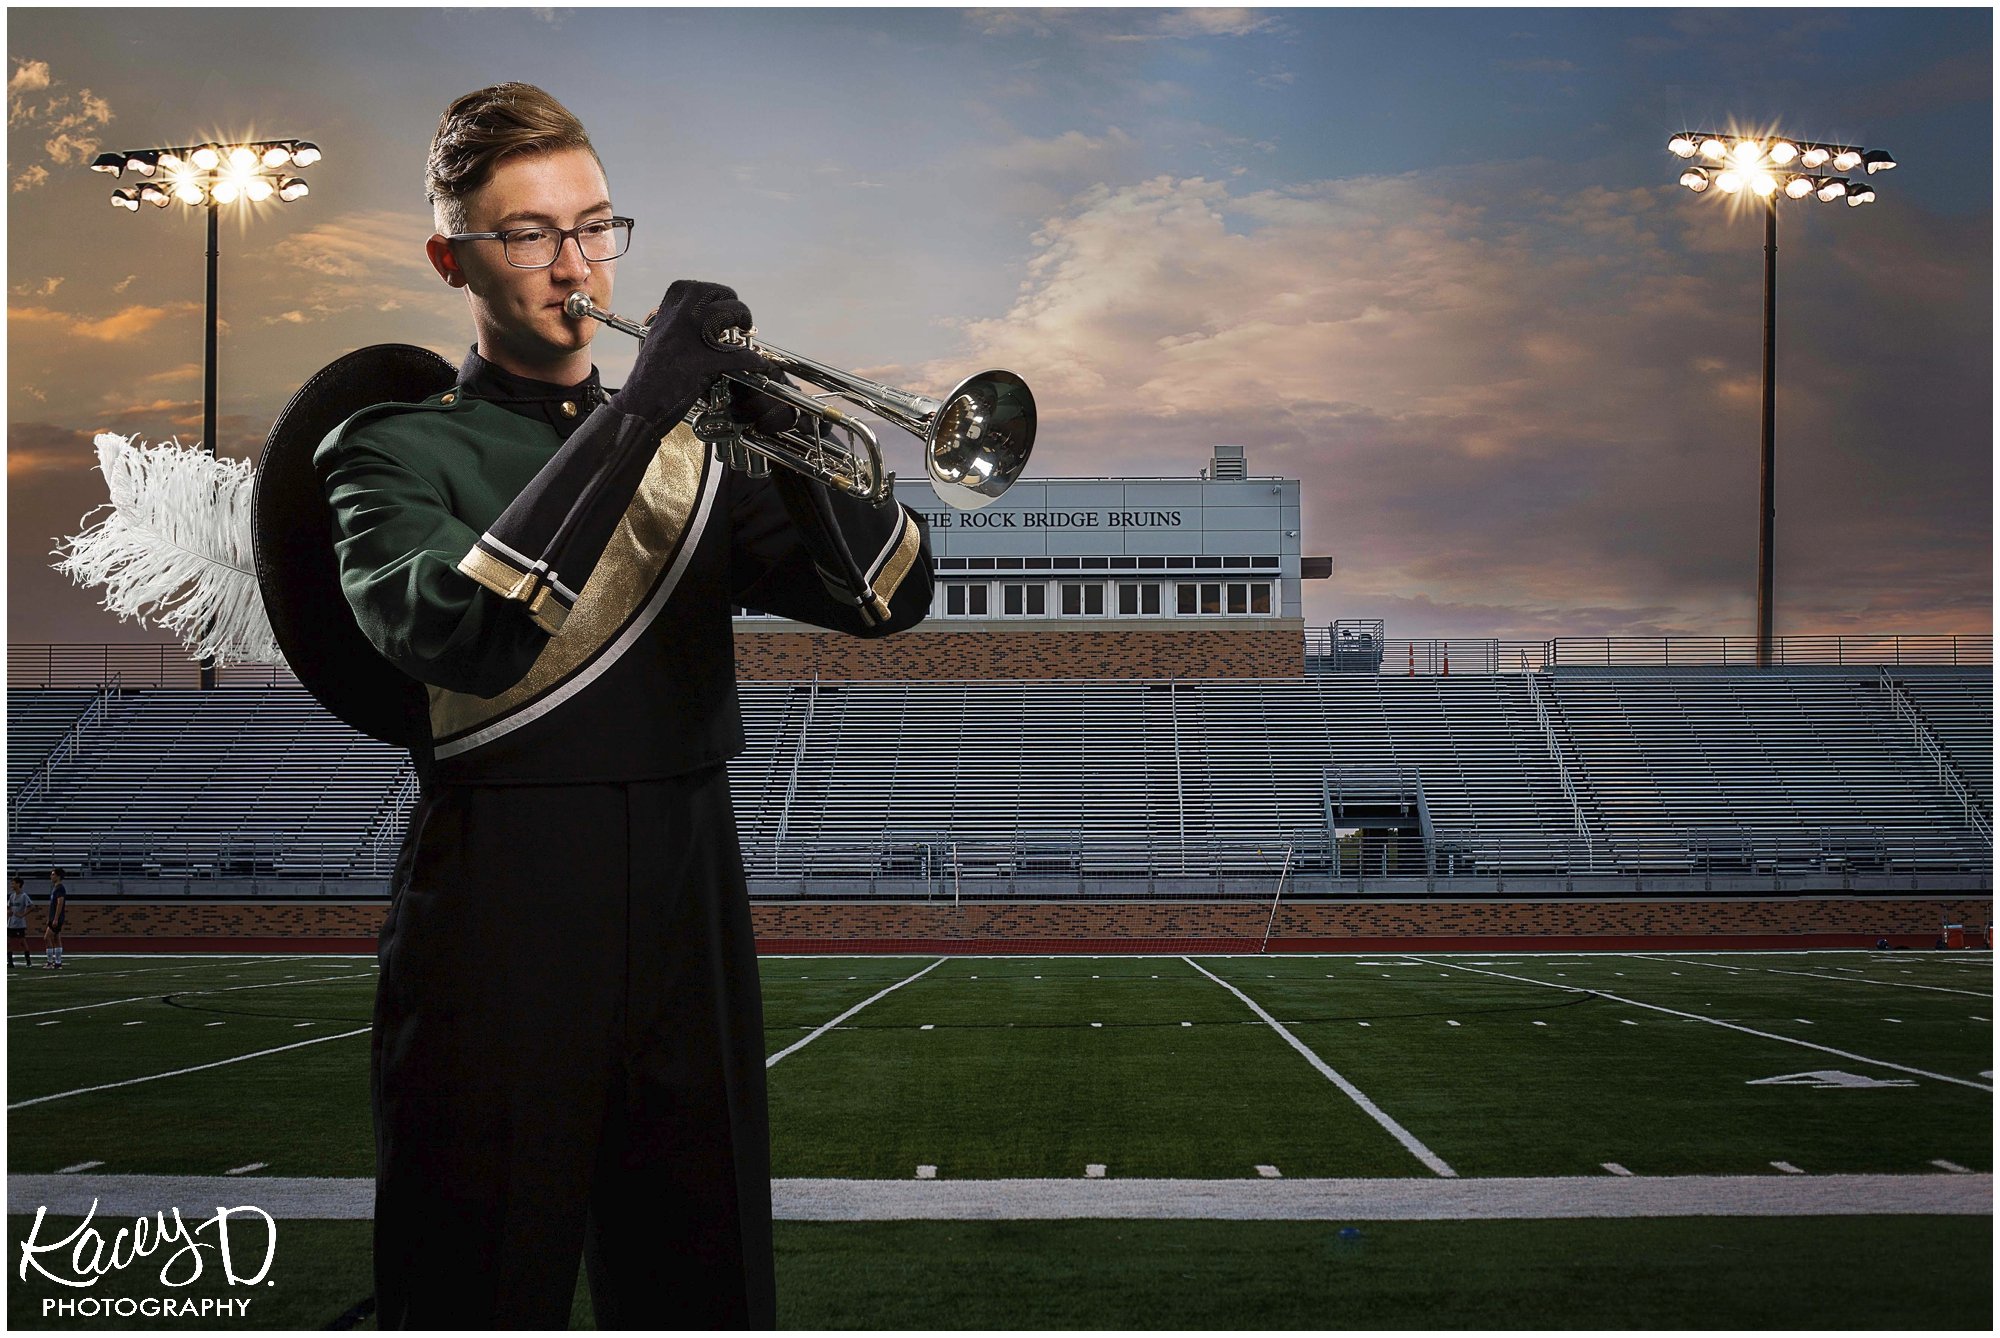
column 210, row 176
column 1746, row 160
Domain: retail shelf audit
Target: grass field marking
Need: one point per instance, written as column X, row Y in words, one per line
column 1615, row 1168
column 804, row 1041
column 155, row 1077
column 1817, row 975
column 1387, row 1199
column 185, row 966
column 1787, row 1168
column 1354, row 1094
column 245, row 1170
column 1951, row 1166
column 220, row 989
column 1733, row 1026
column 80, row 1166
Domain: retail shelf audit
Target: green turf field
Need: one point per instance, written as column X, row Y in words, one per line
column 1086, row 1074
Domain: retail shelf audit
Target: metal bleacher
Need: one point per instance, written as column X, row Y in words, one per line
column 1130, row 787
column 244, row 783
column 37, row 720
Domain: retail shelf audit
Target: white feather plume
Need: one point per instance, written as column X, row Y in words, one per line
column 175, row 550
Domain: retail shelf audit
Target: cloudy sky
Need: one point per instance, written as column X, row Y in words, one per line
column 1433, row 263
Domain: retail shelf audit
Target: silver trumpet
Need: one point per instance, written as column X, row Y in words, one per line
column 976, row 439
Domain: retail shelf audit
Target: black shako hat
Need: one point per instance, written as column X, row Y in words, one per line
column 298, row 573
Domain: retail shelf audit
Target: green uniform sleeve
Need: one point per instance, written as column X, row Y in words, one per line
column 398, row 546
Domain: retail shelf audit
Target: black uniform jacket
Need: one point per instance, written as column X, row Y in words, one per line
column 637, row 680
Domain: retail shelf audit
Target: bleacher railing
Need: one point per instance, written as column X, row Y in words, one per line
column 1481, row 655
column 67, row 665
column 70, row 665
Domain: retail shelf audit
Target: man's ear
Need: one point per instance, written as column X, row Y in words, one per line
column 444, row 261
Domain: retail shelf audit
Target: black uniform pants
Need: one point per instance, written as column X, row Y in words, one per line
column 568, row 1057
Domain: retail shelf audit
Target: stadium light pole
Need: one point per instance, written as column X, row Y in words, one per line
column 1761, row 166
column 210, row 176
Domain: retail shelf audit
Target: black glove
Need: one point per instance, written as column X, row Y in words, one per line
column 684, row 353
column 761, row 413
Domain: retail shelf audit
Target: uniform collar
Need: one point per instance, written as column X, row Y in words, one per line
column 561, row 407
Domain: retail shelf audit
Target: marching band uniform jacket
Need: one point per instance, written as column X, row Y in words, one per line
column 621, row 666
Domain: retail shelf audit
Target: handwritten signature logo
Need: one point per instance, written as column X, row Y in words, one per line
column 92, row 1257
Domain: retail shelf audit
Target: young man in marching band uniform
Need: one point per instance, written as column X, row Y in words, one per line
column 557, row 564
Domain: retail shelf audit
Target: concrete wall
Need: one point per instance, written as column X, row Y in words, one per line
column 1270, row 648
column 1405, row 924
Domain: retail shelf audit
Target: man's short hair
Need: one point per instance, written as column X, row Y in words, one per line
column 58, row 873
column 482, row 128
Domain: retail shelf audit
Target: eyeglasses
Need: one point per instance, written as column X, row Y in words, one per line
column 537, row 248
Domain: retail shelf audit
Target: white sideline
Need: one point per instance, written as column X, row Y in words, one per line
column 803, row 1042
column 220, row 989
column 1413, row 1199
column 1354, row 1094
column 207, row 959
column 1732, row 1026
column 1817, row 975
column 155, row 1077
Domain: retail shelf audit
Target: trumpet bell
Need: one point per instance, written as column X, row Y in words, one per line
column 981, row 440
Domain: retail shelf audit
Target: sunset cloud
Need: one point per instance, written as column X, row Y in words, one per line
column 1528, row 408
column 68, row 124
column 123, row 326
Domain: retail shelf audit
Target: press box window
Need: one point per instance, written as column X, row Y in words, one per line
column 1237, row 597
column 1024, row 600
column 1135, row 599
column 964, row 600
column 1082, row 600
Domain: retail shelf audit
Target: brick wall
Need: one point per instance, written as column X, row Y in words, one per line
column 1806, row 921
column 1037, row 651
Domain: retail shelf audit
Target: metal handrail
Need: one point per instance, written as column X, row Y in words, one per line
column 64, row 748
column 1562, row 769
column 1934, row 750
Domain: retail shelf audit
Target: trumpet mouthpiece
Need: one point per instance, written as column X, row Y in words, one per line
column 578, row 306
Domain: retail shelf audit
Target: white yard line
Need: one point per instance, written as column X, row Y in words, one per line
column 803, row 1042
column 155, row 1077
column 207, row 960
column 1732, row 1026
column 1816, row 975
column 1409, row 1199
column 1354, row 1094
column 220, row 989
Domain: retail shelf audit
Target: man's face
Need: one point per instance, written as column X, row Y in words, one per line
column 518, row 312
